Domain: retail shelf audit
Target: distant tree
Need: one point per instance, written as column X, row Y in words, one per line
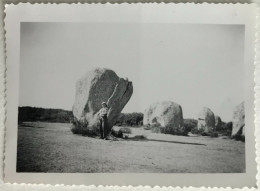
column 226, row 128
column 130, row 119
column 190, row 124
column 42, row 114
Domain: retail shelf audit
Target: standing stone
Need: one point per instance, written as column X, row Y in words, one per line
column 238, row 128
column 218, row 123
column 167, row 115
column 206, row 121
column 97, row 86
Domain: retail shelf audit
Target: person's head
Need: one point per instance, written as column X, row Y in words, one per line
column 104, row 104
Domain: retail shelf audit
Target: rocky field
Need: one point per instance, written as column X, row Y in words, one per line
column 51, row 147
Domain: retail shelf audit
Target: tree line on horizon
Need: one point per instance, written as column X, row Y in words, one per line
column 44, row 115
column 135, row 119
column 32, row 114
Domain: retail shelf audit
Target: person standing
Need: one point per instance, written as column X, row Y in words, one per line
column 103, row 121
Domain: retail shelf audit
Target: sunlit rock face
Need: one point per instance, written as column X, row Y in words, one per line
column 97, row 86
column 238, row 128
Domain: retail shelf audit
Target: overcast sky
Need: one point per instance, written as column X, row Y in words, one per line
column 192, row 65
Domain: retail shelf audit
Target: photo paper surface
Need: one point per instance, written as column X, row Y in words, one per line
column 130, row 94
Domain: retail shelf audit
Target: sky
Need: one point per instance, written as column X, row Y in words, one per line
column 194, row 65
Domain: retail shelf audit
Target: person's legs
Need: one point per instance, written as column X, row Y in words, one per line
column 101, row 129
column 105, row 127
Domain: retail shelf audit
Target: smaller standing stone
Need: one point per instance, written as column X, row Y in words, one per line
column 167, row 115
column 238, row 129
column 218, row 123
column 206, row 121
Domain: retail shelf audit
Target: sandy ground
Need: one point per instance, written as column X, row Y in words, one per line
column 51, row 147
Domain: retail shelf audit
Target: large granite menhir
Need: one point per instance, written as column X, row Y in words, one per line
column 97, row 86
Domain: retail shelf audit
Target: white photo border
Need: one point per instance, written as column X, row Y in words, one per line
column 3, row 113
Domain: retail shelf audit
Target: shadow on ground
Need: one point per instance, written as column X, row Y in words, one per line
column 142, row 138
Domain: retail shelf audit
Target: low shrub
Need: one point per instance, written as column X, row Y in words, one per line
column 125, row 130
column 157, row 128
column 81, row 128
column 190, row 124
column 204, row 134
column 130, row 119
column 118, row 134
column 201, row 132
column 239, row 138
column 226, row 129
column 213, row 134
column 197, row 131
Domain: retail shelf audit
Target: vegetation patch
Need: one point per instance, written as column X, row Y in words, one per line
column 119, row 132
column 81, row 128
column 44, row 115
column 157, row 128
column 190, row 124
column 130, row 119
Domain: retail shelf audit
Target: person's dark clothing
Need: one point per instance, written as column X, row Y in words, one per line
column 103, row 127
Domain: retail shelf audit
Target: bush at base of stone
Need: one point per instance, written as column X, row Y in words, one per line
column 157, row 128
column 118, row 134
column 190, row 124
column 201, row 132
column 204, row 134
column 239, row 138
column 81, row 128
column 226, row 129
column 197, row 131
column 213, row 134
column 120, row 131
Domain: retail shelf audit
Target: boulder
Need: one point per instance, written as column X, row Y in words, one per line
column 166, row 115
column 238, row 129
column 97, row 86
column 206, row 121
column 218, row 123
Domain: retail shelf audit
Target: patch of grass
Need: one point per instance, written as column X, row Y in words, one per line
column 54, row 149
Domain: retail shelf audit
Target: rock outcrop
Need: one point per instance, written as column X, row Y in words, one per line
column 218, row 123
column 97, row 86
column 238, row 129
column 206, row 121
column 167, row 115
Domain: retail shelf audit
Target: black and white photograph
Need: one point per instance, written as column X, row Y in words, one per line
column 131, row 97
column 170, row 100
